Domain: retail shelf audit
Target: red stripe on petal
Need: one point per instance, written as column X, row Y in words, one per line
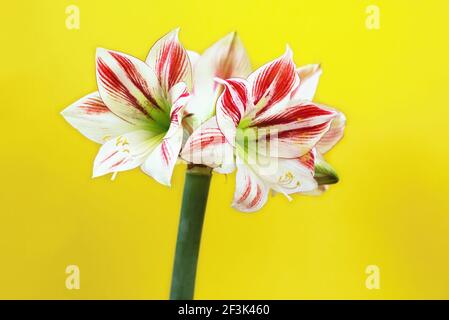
column 115, row 86
column 257, row 198
column 247, row 192
column 115, row 165
column 109, row 157
column 206, row 138
column 309, row 160
column 165, row 152
column 94, row 106
column 134, row 75
column 292, row 114
column 210, row 137
column 302, row 133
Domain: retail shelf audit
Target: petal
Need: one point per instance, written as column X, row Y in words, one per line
column 93, row 119
column 208, row 146
column 309, row 77
column 162, row 160
column 251, row 193
column 308, row 160
column 232, row 106
column 286, row 176
column 295, row 130
column 128, row 86
column 226, row 59
column 334, row 135
column 293, row 176
column 295, row 114
column 125, row 152
column 273, row 82
column 170, row 61
column 298, row 142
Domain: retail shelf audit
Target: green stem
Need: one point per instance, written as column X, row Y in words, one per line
column 196, row 190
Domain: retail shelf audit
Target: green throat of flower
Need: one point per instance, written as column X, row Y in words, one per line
column 159, row 120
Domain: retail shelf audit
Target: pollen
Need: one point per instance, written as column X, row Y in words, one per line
column 286, row 178
column 121, row 141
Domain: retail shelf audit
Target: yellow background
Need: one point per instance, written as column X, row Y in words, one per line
column 390, row 209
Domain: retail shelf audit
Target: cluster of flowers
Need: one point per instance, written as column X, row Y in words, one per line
column 211, row 110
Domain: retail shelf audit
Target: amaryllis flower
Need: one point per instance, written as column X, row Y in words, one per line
column 269, row 128
column 138, row 109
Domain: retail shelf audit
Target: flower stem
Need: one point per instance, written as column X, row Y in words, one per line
column 196, row 190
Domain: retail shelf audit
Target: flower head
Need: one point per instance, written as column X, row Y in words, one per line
column 138, row 109
column 269, row 129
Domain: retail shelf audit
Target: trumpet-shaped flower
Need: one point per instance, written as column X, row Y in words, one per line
column 138, row 109
column 270, row 129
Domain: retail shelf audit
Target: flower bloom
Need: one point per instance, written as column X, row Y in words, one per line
column 264, row 124
column 267, row 126
column 138, row 109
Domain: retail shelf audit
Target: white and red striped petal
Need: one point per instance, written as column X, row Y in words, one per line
column 295, row 114
column 128, row 86
column 208, row 146
column 161, row 162
column 93, row 119
column 170, row 61
column 125, row 152
column 309, row 77
column 273, row 82
column 226, row 59
column 251, row 192
column 298, row 142
column 296, row 129
column 232, row 106
column 333, row 135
